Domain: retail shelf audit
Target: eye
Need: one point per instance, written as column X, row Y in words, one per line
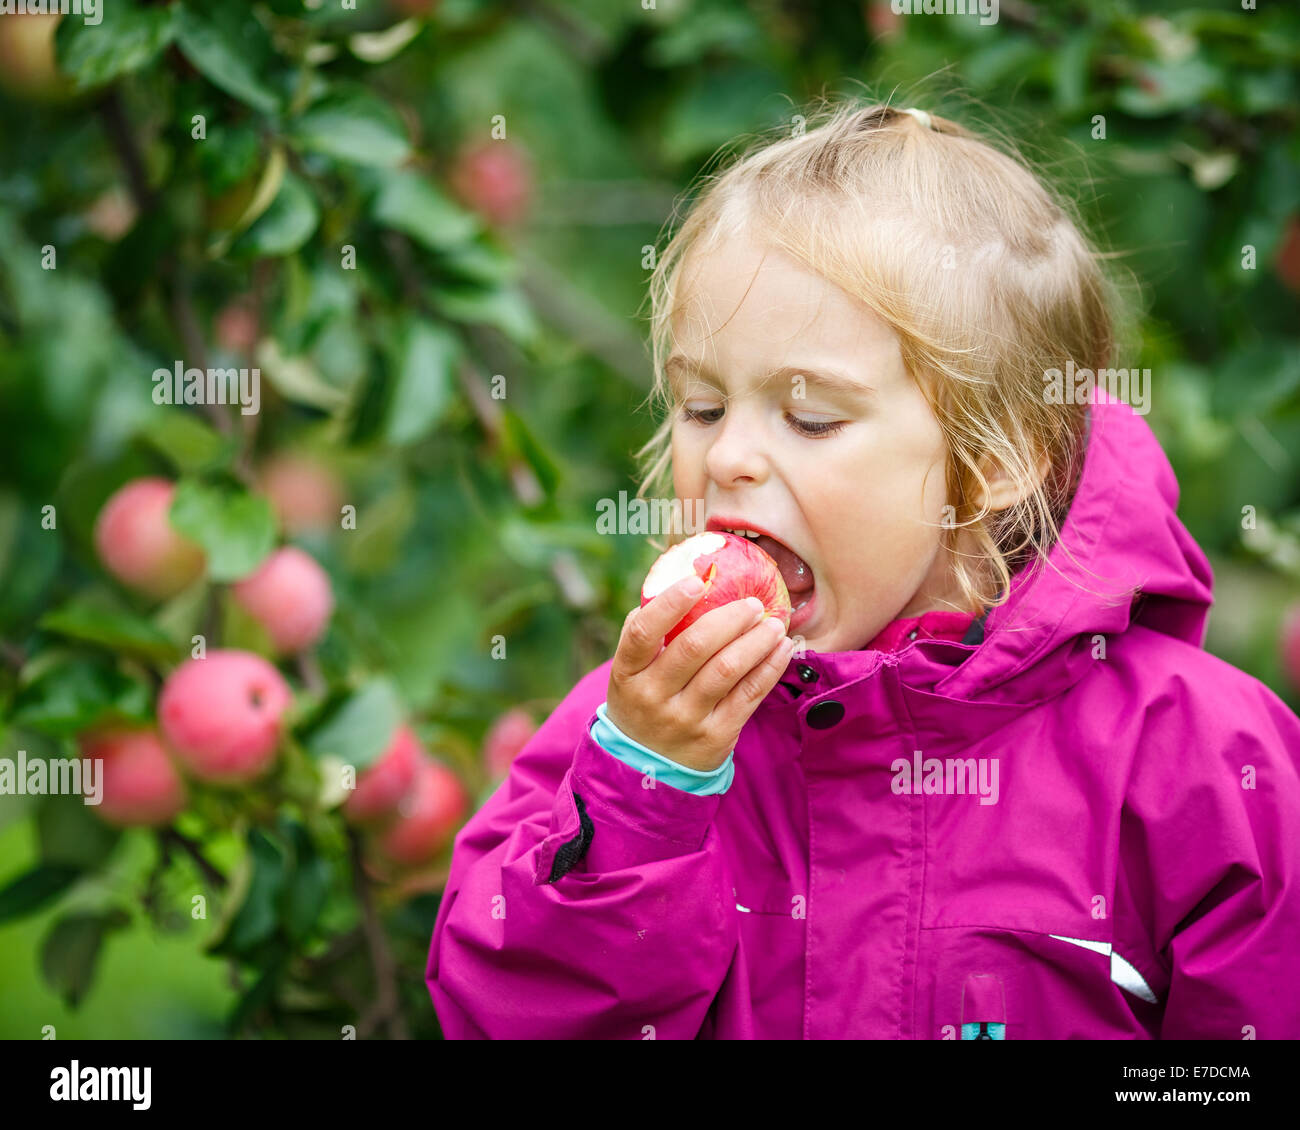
column 702, row 415
column 814, row 427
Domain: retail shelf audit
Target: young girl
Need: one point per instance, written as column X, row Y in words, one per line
column 998, row 791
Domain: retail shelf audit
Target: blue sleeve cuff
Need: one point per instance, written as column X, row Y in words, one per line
column 643, row 759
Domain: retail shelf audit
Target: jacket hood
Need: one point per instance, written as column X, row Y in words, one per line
column 1124, row 558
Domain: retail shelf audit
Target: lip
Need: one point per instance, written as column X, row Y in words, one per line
column 718, row 521
column 801, row 615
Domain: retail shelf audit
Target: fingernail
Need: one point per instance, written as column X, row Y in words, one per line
column 773, row 622
column 694, row 586
column 754, row 604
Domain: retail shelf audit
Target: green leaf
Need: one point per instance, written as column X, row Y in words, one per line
column 127, row 39
column 519, row 442
column 359, row 729
column 247, row 203
column 1163, row 88
column 285, row 226
column 227, row 45
column 72, row 695
column 29, row 892
column 308, row 886
column 71, row 949
column 296, row 378
column 85, row 619
column 235, row 528
column 256, row 919
column 409, row 203
column 353, row 125
column 504, row 307
column 274, row 961
column 70, row 835
column 187, row 442
column 423, row 368
column 29, row 560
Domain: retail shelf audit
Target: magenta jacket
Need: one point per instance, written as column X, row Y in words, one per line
column 1085, row 826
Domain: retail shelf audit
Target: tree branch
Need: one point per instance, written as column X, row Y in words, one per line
column 173, row 837
column 387, row 1005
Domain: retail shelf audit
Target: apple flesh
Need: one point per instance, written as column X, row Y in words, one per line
column 221, row 715
column 140, row 786
column 731, row 567
column 136, row 542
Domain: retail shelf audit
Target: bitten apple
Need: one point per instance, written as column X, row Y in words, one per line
column 139, row 783
column 221, row 715
column 136, row 542
column 382, row 785
column 731, row 567
column 290, row 596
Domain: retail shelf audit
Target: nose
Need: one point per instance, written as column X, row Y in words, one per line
column 736, row 453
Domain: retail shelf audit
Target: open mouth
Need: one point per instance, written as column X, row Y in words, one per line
column 795, row 571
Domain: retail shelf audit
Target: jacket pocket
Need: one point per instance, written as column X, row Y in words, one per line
column 991, row 982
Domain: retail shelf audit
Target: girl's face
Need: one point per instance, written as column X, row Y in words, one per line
column 836, row 453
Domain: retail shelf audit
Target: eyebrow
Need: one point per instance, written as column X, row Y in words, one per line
column 829, row 380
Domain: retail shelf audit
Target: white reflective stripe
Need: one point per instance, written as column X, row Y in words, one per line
column 1096, row 947
column 1126, row 977
column 744, row 908
column 1121, row 971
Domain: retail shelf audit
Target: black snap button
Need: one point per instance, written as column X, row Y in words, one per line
column 825, row 714
column 807, row 674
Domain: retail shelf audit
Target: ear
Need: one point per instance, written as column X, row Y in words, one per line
column 1003, row 490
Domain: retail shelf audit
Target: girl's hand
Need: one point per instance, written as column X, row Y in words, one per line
column 689, row 700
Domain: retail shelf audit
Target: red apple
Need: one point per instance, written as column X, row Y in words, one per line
column 221, row 715
column 111, row 214
column 382, row 785
column 137, row 544
column 427, row 817
column 882, row 20
column 290, row 596
column 236, row 326
column 503, row 741
column 1289, row 641
column 732, row 568
column 495, row 179
column 139, row 783
column 305, row 494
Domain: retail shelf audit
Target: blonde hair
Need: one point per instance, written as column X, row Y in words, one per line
column 977, row 266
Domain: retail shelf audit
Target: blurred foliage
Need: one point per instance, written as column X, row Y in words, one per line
column 295, row 187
